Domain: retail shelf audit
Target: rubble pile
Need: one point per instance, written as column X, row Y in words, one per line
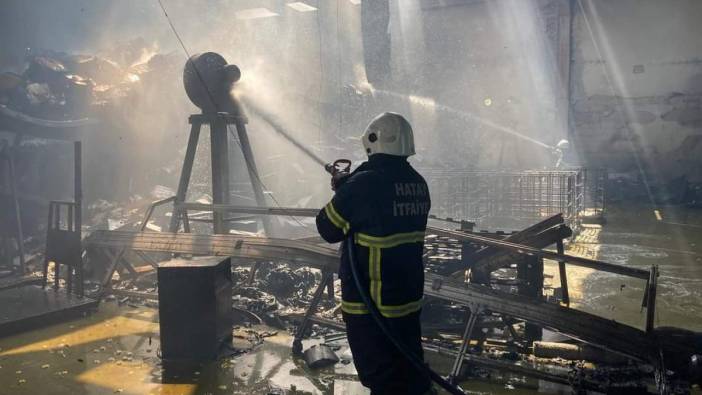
column 253, row 299
column 63, row 86
column 276, row 288
column 293, row 286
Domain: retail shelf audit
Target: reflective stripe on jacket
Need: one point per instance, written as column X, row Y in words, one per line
column 385, row 203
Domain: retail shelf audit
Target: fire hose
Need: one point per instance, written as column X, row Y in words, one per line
column 380, row 320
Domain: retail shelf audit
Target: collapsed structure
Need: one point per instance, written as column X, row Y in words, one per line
column 485, row 304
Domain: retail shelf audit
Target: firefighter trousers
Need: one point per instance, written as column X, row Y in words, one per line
column 380, row 366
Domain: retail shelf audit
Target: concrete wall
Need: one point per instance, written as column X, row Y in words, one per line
column 482, row 79
column 484, row 82
column 637, row 86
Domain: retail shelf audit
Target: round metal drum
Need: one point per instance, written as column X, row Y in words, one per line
column 204, row 78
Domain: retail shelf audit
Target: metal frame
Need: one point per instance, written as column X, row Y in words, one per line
column 595, row 187
column 63, row 239
column 316, row 298
column 118, row 257
column 219, row 147
column 63, row 245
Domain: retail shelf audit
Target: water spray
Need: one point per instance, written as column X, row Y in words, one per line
column 429, row 104
column 281, row 130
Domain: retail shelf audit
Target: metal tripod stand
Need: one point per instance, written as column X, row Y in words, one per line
column 219, row 146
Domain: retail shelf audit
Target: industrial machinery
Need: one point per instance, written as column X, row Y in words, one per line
column 208, row 80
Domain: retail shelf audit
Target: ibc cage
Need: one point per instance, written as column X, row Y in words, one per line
column 595, row 194
column 508, row 200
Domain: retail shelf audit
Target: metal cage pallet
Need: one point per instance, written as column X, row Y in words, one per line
column 514, row 199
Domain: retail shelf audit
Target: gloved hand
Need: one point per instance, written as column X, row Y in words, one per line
column 338, row 179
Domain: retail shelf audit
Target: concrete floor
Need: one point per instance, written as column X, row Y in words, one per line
column 115, row 351
column 634, row 236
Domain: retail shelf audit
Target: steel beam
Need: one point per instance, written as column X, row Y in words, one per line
column 284, row 211
column 579, row 325
column 457, row 235
column 526, row 250
column 245, row 247
column 518, row 237
column 503, row 258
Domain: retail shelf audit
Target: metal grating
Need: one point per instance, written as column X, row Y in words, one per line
column 514, row 200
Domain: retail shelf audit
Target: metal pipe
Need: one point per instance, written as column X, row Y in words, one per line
column 651, row 299
column 284, row 211
column 78, row 182
column 526, row 250
column 16, row 203
column 563, row 275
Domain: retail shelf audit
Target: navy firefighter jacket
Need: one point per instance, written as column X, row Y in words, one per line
column 385, row 203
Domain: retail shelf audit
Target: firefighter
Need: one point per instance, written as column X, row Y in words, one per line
column 384, row 203
column 563, row 154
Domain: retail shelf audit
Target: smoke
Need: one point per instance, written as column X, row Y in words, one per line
column 482, row 81
column 475, row 80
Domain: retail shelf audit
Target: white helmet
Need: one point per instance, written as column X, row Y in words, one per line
column 563, row 144
column 389, row 133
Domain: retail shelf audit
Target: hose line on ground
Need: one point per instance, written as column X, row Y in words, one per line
column 380, row 320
